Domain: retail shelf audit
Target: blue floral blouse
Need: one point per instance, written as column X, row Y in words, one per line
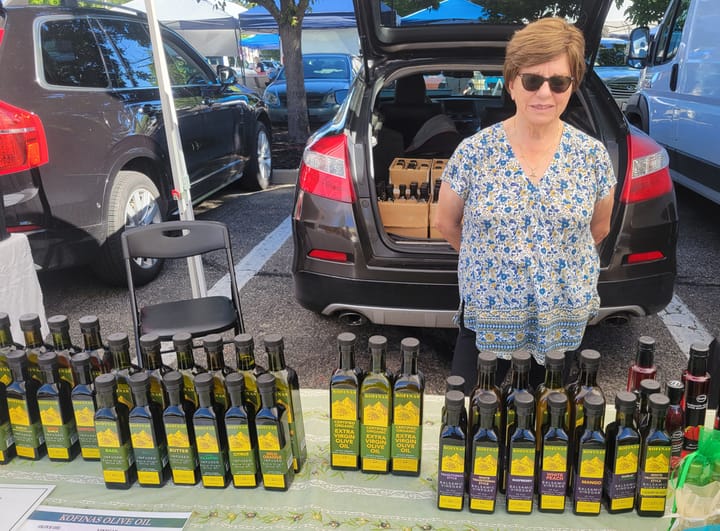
column 528, row 266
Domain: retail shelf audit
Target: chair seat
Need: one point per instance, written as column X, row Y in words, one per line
column 196, row 316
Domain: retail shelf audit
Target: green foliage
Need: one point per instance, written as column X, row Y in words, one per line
column 519, row 11
column 643, row 12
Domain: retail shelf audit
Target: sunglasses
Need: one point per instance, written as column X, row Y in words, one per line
column 533, row 82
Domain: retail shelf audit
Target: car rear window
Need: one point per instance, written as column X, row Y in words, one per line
column 70, row 56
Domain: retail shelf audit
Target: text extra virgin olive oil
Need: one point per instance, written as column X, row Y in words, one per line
column 344, row 406
column 408, row 392
column 375, row 411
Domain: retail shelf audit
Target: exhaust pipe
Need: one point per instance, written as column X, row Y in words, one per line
column 352, row 319
column 617, row 319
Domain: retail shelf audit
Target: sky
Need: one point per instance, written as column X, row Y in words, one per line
column 618, row 14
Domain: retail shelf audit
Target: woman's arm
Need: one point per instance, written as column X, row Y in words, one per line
column 600, row 222
column 449, row 214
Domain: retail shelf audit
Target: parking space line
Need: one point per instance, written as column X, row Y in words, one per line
column 684, row 327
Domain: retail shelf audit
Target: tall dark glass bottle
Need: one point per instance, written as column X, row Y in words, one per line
column 621, row 457
column 455, row 382
column 485, row 456
column 642, row 414
column 287, row 388
column 122, row 367
column 34, row 344
column 554, row 364
column 183, row 345
column 553, row 460
column 180, row 432
column 6, row 345
column 408, row 391
column 56, row 413
column 644, row 366
column 589, row 469
column 675, row 419
column 586, row 383
column 100, row 359
column 654, row 460
column 152, row 363
column 519, row 381
column 210, row 435
column 344, row 407
column 274, row 441
column 112, row 423
column 521, row 450
column 375, row 411
column 62, row 345
column 451, row 458
column 215, row 359
column 7, row 441
column 84, row 406
column 23, row 408
column 147, row 434
column 242, row 438
column 486, row 368
column 697, row 386
column 246, row 365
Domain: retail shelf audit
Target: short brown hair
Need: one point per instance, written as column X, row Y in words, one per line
column 542, row 41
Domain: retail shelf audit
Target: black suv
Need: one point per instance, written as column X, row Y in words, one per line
column 430, row 80
column 88, row 76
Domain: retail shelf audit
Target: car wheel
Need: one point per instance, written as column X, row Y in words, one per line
column 133, row 203
column 259, row 168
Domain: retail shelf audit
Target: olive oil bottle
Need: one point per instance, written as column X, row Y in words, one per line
column 520, row 364
column 344, row 407
column 375, row 411
column 215, row 358
column 451, row 458
column 210, row 435
column 455, row 382
column 122, row 367
column 6, row 345
column 23, row 408
column 56, row 413
column 112, row 424
column 274, row 441
column 63, row 347
column 7, row 441
column 288, row 394
column 84, row 406
column 621, row 458
column 554, row 451
column 521, row 449
column 100, row 359
column 589, row 468
column 406, row 449
column 147, row 434
column 589, row 362
column 242, row 438
column 183, row 345
column 486, row 368
column 246, row 365
column 554, row 364
column 655, row 454
column 152, row 363
column 485, row 458
column 180, row 432
column 34, row 344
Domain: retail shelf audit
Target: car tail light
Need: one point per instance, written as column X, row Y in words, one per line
column 23, row 144
column 650, row 256
column 647, row 174
column 325, row 170
column 324, row 254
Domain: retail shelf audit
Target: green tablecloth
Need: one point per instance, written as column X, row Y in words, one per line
column 319, row 498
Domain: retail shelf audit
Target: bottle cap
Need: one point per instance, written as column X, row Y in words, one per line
column 487, row 361
column 235, row 382
column 48, row 360
column 17, row 358
column 454, row 400
column 80, row 360
column 675, row 390
column 139, row 382
column 589, row 359
column 555, row 360
column 182, row 341
column 58, row 323
column 625, row 402
column 29, row 322
column 213, row 342
column 455, row 383
column 346, row 339
column 594, row 402
column 4, row 320
column 557, row 401
column 273, row 341
column 173, row 380
column 649, row 386
column 118, row 341
column 521, row 360
column 204, row 382
column 149, row 341
column 266, row 382
column 524, row 402
column 487, row 403
column 409, row 344
column 646, row 351
column 379, row 342
column 88, row 322
column 105, row 383
column 244, row 343
column 658, row 404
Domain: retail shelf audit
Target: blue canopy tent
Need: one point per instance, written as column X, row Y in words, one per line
column 322, row 14
column 262, row 41
column 447, row 10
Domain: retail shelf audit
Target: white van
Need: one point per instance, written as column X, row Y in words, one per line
column 678, row 97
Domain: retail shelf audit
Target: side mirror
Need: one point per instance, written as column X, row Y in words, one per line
column 639, row 44
column 226, row 75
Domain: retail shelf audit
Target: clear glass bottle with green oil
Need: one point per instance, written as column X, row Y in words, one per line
column 376, row 410
column 152, row 363
column 210, row 435
column 589, row 469
column 122, row 366
column 84, row 404
column 23, row 408
column 451, row 454
column 621, row 458
column 100, row 359
column 344, row 407
column 554, row 365
column 180, row 432
column 552, row 480
column 246, row 365
column 34, row 344
column 62, row 345
column 241, row 434
column 6, row 345
column 183, row 345
column 408, row 391
column 214, row 346
column 56, row 412
column 274, row 441
column 7, row 441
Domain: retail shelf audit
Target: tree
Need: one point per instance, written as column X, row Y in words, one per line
column 644, row 12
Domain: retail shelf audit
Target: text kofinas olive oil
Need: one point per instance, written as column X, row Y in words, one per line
column 344, row 406
column 408, row 392
column 375, row 411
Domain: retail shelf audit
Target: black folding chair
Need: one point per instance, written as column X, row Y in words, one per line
column 175, row 240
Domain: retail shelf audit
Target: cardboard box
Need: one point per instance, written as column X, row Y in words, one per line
column 404, row 170
column 405, row 218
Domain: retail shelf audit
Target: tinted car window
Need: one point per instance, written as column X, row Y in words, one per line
column 130, row 58
column 183, row 69
column 70, row 55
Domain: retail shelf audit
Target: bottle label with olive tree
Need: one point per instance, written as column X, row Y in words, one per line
column 6, row 440
column 275, row 461
column 116, row 458
column 552, row 485
column 59, row 436
column 84, row 410
column 182, row 454
column 653, row 479
column 621, row 480
column 407, row 433
column 520, row 479
column 151, row 457
column 587, row 492
column 375, row 433
column 28, row 436
column 344, row 436
column 241, row 455
column 213, row 461
column 451, row 476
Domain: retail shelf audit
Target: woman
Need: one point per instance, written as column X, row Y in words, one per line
column 525, row 202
